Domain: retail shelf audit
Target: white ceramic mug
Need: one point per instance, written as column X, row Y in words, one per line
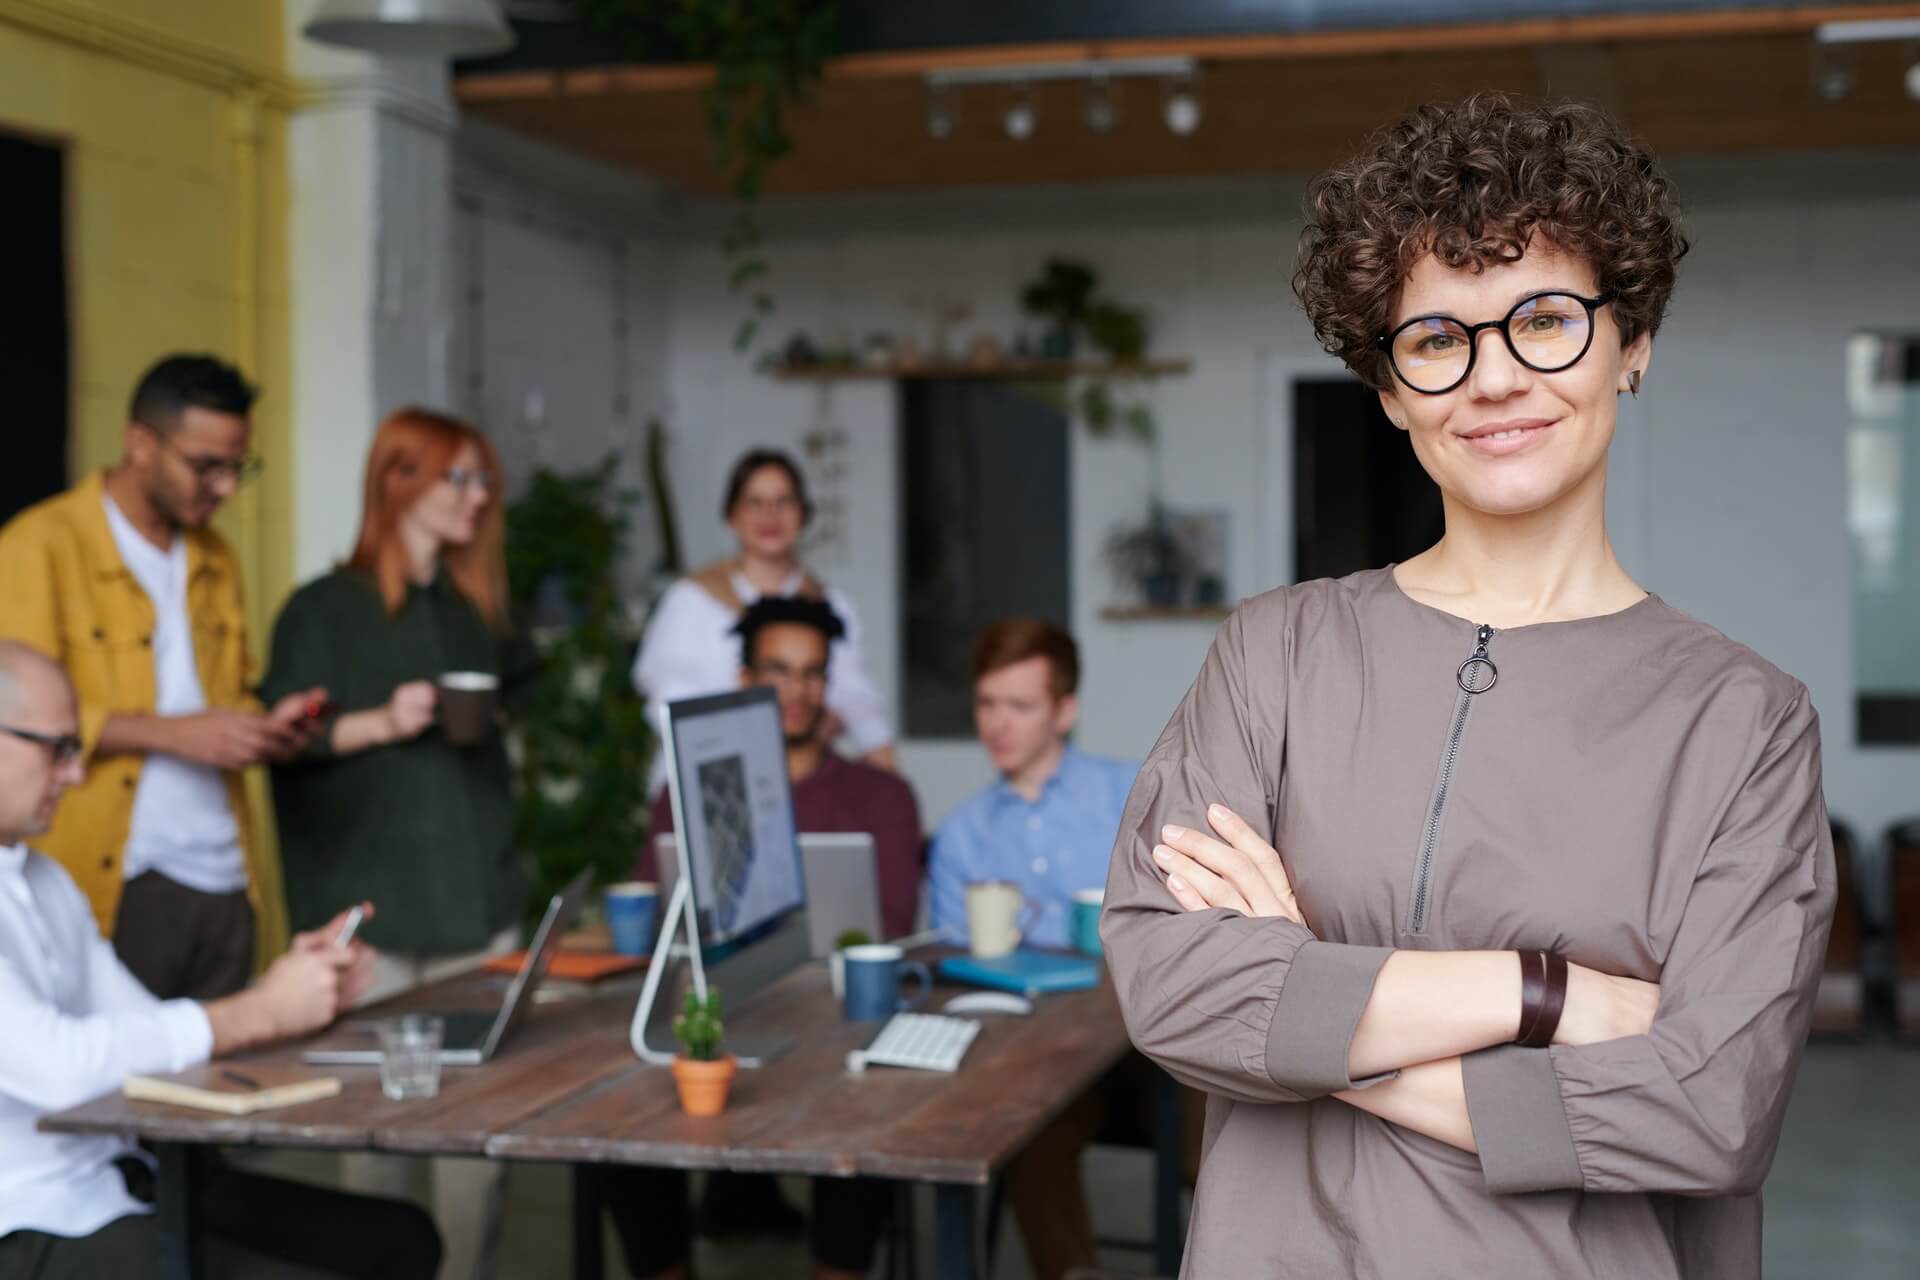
column 996, row 917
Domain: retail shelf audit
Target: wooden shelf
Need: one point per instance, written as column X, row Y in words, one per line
column 1165, row 613
column 1006, row 371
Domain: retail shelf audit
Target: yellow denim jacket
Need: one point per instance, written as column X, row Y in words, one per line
column 65, row 591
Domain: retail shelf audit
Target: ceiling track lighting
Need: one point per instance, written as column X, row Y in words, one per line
column 1101, row 113
column 1183, row 107
column 1830, row 37
column 1021, row 120
column 940, row 119
column 1102, row 110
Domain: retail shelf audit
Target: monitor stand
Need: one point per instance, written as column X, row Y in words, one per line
column 747, row 1050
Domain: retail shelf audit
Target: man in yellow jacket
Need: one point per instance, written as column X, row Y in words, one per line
column 122, row 583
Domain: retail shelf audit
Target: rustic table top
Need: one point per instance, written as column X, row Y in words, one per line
column 567, row 1087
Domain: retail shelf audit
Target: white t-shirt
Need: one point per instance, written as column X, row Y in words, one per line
column 76, row 1025
column 183, row 825
column 688, row 652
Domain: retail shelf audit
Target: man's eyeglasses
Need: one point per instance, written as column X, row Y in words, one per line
column 779, row 673
column 1546, row 332
column 66, row 747
column 205, row 469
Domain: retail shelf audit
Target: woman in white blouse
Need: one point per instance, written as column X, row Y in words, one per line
column 689, row 649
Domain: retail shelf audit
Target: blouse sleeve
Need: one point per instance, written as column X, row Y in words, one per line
column 1252, row 1009
column 851, row 693
column 676, row 658
column 1693, row 1107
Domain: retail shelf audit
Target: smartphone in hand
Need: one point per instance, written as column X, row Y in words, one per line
column 349, row 927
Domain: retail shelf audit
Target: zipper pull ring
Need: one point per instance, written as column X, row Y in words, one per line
column 1478, row 674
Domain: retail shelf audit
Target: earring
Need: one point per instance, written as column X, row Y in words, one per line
column 1633, row 382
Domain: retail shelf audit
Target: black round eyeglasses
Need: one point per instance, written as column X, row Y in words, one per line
column 1546, row 332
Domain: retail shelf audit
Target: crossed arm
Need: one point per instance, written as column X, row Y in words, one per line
column 1428, row 1008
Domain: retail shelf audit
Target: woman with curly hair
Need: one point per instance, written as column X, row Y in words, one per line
column 1484, row 894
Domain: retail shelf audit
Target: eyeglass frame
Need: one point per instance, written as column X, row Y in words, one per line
column 465, row 478
column 66, row 747
column 1473, row 331
column 243, row 471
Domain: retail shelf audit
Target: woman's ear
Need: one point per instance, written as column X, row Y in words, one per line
column 1391, row 406
column 1634, row 359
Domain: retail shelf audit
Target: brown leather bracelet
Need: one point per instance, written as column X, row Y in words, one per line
column 1553, row 1001
column 1533, row 989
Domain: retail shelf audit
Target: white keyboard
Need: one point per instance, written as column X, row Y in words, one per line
column 925, row 1041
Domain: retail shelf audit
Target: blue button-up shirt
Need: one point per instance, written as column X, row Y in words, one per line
column 1052, row 847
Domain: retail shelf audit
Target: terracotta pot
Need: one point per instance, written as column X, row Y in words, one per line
column 703, row 1085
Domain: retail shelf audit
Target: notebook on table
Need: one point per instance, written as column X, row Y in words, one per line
column 235, row 1091
column 1028, row 973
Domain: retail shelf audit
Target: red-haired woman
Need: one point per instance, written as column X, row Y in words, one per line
column 383, row 807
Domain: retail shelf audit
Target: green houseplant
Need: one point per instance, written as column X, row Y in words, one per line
column 1066, row 294
column 580, row 746
column 766, row 56
column 702, row 1074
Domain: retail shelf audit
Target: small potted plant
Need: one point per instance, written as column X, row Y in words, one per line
column 1061, row 295
column 837, row 962
column 701, row 1073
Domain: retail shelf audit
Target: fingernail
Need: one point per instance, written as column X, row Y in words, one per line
column 1176, row 883
column 1218, row 811
column 1172, row 833
column 1162, row 854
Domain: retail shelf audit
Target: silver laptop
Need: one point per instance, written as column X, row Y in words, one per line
column 473, row 1036
column 842, row 872
column 843, row 888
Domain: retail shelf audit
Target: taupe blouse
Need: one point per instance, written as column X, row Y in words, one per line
column 1635, row 790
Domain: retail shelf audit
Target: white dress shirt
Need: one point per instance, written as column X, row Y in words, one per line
column 688, row 652
column 74, row 1024
column 182, row 822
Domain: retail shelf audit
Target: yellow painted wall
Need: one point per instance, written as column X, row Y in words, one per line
column 172, row 114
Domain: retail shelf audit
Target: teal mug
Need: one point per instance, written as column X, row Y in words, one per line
column 1083, row 926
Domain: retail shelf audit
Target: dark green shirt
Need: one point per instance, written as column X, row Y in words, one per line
column 422, row 829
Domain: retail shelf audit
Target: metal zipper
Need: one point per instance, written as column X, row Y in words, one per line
column 1475, row 676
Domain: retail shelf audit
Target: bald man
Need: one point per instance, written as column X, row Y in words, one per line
column 74, row 1024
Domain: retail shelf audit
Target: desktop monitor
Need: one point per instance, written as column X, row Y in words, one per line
column 732, row 803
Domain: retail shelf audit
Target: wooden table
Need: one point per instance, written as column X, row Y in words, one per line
column 568, row 1088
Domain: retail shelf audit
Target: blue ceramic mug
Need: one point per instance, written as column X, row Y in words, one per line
column 873, row 982
column 1083, row 925
column 630, row 911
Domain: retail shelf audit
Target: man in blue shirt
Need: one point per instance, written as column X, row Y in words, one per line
column 1048, row 824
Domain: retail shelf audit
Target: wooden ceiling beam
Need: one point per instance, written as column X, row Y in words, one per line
column 498, row 86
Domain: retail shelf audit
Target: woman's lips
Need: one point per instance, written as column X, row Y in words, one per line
column 1508, row 438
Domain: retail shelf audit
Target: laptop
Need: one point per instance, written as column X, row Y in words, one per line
column 843, row 888
column 473, row 1036
column 842, row 875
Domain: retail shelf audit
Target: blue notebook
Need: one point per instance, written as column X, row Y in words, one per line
column 1029, row 973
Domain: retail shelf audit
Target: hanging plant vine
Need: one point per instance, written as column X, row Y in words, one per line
column 766, row 56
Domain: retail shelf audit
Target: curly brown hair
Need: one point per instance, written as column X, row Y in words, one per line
column 1471, row 183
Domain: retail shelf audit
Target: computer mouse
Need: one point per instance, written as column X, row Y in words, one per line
column 988, row 1002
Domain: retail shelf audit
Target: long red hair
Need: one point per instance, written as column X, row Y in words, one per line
column 411, row 453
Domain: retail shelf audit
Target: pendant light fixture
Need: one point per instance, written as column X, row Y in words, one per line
column 412, row 28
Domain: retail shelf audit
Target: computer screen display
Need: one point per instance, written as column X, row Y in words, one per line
column 727, row 777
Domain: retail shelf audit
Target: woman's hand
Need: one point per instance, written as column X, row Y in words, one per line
column 1602, row 1007
column 1234, row 868
column 410, row 710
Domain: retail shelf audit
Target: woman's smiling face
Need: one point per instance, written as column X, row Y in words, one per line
column 1510, row 440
